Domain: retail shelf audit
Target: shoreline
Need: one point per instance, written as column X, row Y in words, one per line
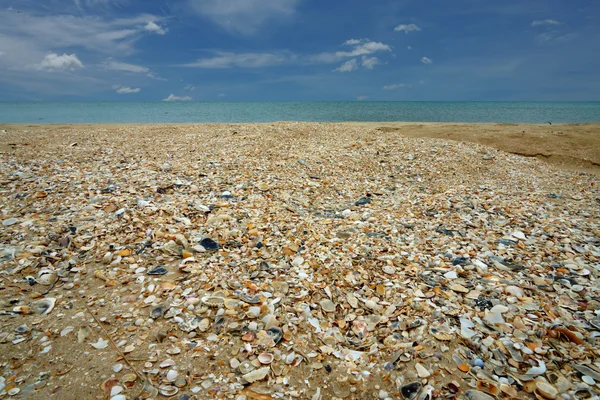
column 572, row 147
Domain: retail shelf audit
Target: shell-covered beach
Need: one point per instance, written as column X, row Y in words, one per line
column 299, row 260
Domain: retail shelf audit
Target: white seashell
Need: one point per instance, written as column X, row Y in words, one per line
column 167, row 390
column 539, row 370
column 100, row 344
column 266, row 358
column 172, row 375
column 117, row 367
column 213, row 301
column 167, row 363
column 327, row 305
column 46, row 277
column 44, row 306
column 119, row 397
column 256, row 375
column 116, row 390
column 422, row 371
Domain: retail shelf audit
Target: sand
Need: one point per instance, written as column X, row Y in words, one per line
column 358, row 260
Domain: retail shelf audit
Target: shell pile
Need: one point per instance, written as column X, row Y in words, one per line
column 292, row 261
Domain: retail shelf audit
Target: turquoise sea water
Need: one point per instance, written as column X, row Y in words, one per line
column 189, row 112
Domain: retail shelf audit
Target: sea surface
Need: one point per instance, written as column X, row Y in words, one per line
column 190, row 112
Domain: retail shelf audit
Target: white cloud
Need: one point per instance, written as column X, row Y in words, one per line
column 244, row 16
column 153, row 27
column 369, row 62
column 221, row 95
column 363, row 47
column 394, row 86
column 54, row 62
column 348, row 66
column 407, row 28
column 408, row 47
column 189, row 87
column 127, row 90
column 547, row 22
column 426, row 60
column 121, row 66
column 172, row 97
column 242, row 60
column 362, row 98
column 28, row 36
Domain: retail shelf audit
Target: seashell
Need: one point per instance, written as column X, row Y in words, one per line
column 275, row 333
column 129, row 378
column 585, row 370
column 422, row 371
column 167, row 363
column 231, row 304
column 266, row 358
column 477, row 395
column 488, row 387
column 119, row 397
column 158, row 311
column 539, row 370
column 246, row 367
column 249, row 299
column 100, row 344
column 546, row 390
column 583, row 394
column 173, row 350
column 213, row 301
column 160, row 270
column 209, row 244
column 327, row 305
column 256, row 375
column 168, row 390
column 47, row 277
column 22, row 329
column 411, row 390
column 172, row 375
column 44, row 306
column 204, row 325
column 509, row 390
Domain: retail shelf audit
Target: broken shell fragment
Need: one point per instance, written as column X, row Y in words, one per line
column 411, row 390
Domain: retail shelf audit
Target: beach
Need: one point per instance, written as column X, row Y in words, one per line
column 299, row 260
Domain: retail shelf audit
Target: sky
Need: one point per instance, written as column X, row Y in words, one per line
column 299, row 50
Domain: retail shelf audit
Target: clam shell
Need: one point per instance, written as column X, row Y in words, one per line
column 44, row 306
column 411, row 390
column 168, row 390
column 266, row 358
column 256, row 375
column 172, row 375
column 275, row 333
column 47, row 277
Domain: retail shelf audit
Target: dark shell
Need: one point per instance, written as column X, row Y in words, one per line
column 209, row 244
column 460, row 261
column 275, row 333
column 158, row 311
column 411, row 390
column 160, row 270
column 362, row 201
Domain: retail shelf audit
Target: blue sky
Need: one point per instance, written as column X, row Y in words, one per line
column 274, row 50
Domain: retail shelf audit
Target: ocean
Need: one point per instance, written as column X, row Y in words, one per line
column 191, row 112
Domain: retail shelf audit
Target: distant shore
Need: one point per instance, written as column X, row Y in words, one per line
column 573, row 147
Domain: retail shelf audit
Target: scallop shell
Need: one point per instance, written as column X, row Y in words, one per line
column 266, row 358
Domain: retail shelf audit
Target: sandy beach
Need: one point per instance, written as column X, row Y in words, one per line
column 299, row 260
